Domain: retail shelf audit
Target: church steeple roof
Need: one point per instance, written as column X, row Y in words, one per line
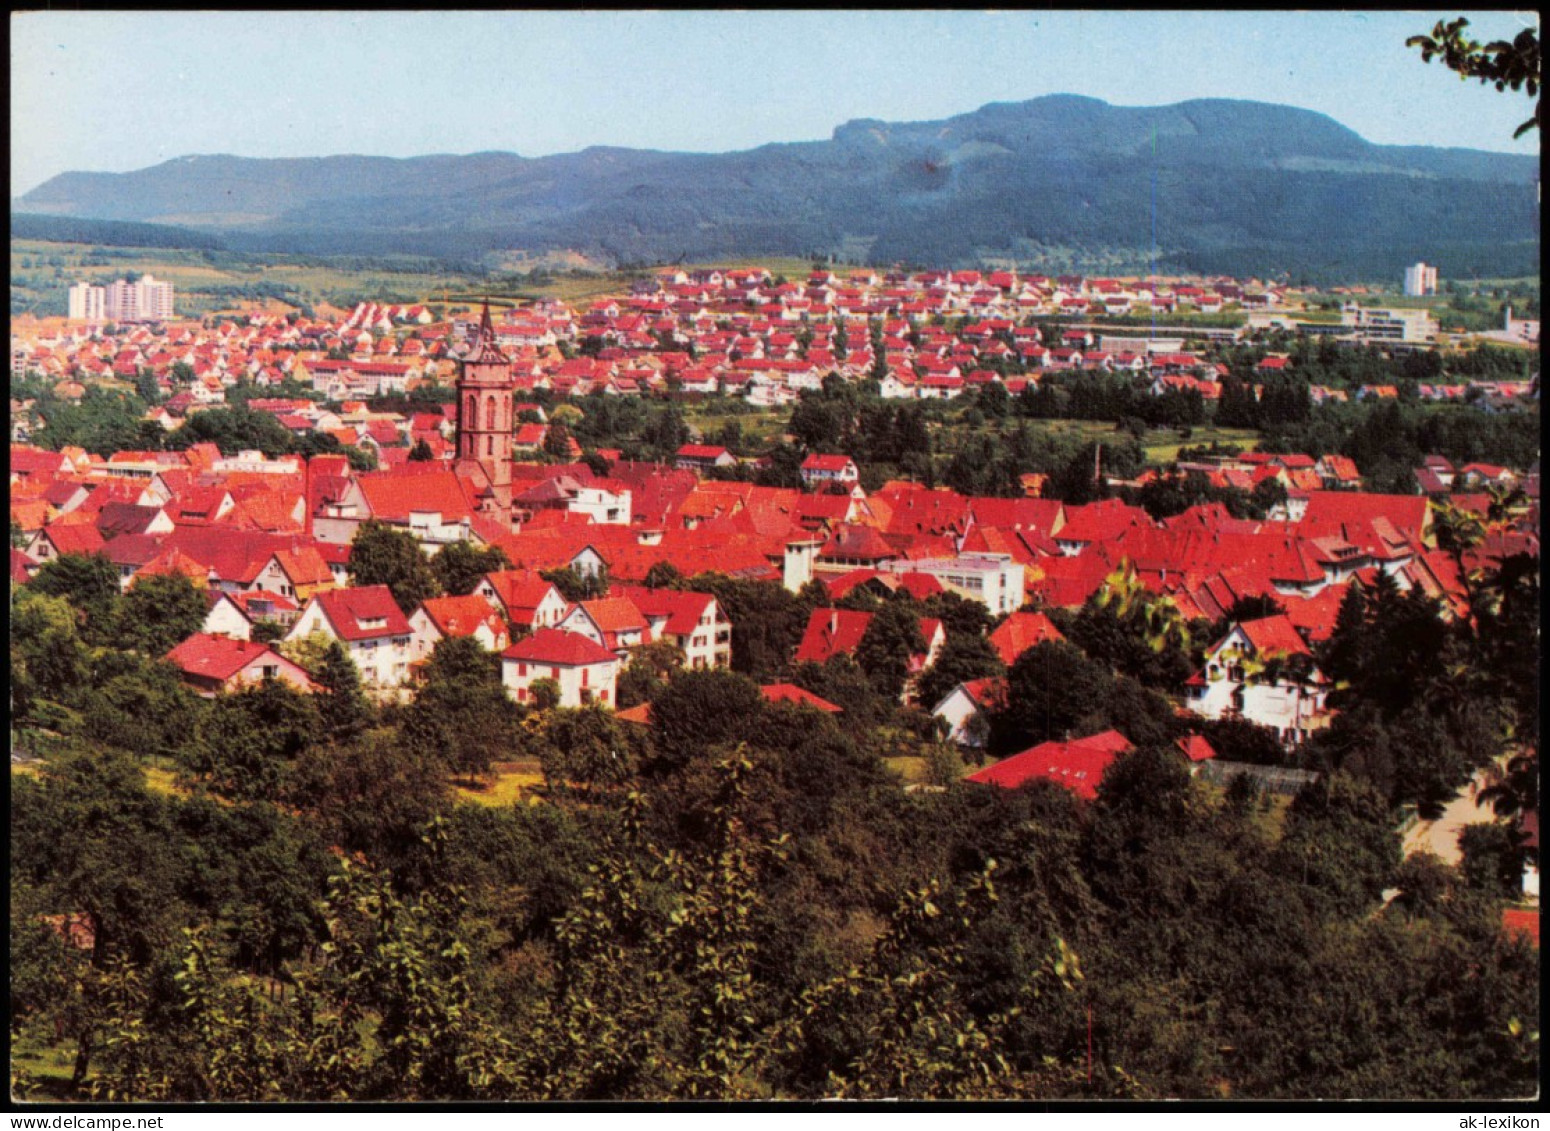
column 485, row 350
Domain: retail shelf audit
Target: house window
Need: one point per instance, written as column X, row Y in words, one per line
column 521, row 669
column 522, row 695
column 586, row 677
column 554, row 673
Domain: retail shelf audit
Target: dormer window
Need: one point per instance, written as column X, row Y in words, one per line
column 372, row 622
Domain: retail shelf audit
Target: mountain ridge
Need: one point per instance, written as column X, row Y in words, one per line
column 1206, row 184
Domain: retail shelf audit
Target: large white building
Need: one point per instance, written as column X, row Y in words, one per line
column 994, row 580
column 1420, row 280
column 121, row 301
column 87, row 303
column 1375, row 324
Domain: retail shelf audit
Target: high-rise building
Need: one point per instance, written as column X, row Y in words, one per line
column 87, row 303
column 122, row 301
column 1420, row 280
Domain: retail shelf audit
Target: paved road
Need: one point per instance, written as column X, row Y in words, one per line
column 1442, row 835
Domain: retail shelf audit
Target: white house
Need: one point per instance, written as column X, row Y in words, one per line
column 368, row 622
column 693, row 621
column 1240, row 679
column 584, row 670
column 614, row 623
column 994, row 580
column 440, row 618
column 523, row 598
column 965, row 708
column 820, row 469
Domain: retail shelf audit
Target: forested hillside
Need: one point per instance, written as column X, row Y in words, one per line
column 1209, row 186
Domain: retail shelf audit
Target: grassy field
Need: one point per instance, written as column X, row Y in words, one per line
column 508, row 784
column 210, row 281
column 48, row 1068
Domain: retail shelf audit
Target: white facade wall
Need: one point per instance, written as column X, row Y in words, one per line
column 579, row 684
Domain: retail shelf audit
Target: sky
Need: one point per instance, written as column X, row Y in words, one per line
column 117, row 91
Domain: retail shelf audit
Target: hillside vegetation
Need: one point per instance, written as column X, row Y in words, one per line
column 1213, row 186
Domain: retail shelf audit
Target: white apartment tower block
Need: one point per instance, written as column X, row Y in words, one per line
column 122, row 301
column 1420, row 280
column 87, row 303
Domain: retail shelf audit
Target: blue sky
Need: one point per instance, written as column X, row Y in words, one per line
column 114, row 91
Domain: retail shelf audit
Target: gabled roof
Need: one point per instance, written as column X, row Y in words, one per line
column 860, row 543
column 1078, row 765
column 681, row 608
column 521, row 591
column 831, row 632
column 346, row 609
column 391, row 496
column 791, row 693
column 125, row 518
column 78, row 538
column 563, row 649
column 221, row 657
column 131, row 549
column 1196, row 748
column 462, row 616
column 614, row 615
column 1274, row 636
column 1020, row 632
column 830, row 463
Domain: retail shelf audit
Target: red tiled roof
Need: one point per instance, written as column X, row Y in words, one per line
column 77, row 538
column 565, row 649
column 220, row 657
column 791, row 693
column 1020, row 632
column 816, row 462
column 1517, row 921
column 347, row 608
column 682, row 608
column 831, row 632
column 393, row 495
column 462, row 616
column 1272, row 636
column 1078, row 765
column 1196, row 748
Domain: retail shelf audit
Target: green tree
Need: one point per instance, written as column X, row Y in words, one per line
column 586, row 748
column 963, row 658
column 49, row 661
column 650, row 669
column 462, row 710
column 90, row 584
column 459, row 566
column 160, row 612
column 575, row 586
column 892, row 636
column 250, row 742
column 381, row 555
column 1504, row 65
column 700, row 710
column 343, row 708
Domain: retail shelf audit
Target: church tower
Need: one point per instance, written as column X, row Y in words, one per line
column 484, row 414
